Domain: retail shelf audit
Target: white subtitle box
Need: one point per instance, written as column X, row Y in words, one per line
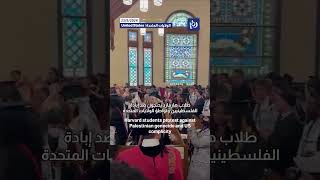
column 129, row 20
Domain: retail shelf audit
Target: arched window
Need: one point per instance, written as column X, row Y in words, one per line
column 74, row 37
column 179, row 19
column 181, row 51
column 245, row 34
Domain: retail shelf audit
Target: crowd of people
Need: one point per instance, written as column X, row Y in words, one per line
column 155, row 146
column 35, row 117
column 283, row 116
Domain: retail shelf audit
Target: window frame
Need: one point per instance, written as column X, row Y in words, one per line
column 148, row 45
column 135, row 45
column 276, row 28
column 88, row 18
column 180, row 31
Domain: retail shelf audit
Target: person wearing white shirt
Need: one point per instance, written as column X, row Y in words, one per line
column 308, row 156
column 309, row 143
column 200, row 138
column 54, row 142
column 264, row 114
column 193, row 96
column 206, row 106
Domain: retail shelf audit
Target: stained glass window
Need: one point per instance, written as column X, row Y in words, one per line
column 133, row 57
column 133, row 66
column 147, row 64
column 148, row 59
column 74, row 24
column 179, row 19
column 148, row 37
column 181, row 48
column 180, row 59
column 132, row 36
column 243, row 36
column 74, row 7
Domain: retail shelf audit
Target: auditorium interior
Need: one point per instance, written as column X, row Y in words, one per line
column 66, row 65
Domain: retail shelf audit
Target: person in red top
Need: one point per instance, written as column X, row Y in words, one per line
column 152, row 158
column 155, row 161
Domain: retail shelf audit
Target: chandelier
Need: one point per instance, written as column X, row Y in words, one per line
column 144, row 4
column 157, row 2
column 127, row 2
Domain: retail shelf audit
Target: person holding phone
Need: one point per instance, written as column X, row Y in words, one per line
column 200, row 139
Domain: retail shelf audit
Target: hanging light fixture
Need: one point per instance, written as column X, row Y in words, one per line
column 161, row 31
column 144, row 5
column 157, row 2
column 127, row 2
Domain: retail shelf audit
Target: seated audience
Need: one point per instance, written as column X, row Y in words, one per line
column 280, row 113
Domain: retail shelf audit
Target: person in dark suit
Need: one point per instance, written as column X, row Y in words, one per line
column 287, row 131
column 220, row 129
column 240, row 88
column 199, row 103
column 241, row 96
column 117, row 119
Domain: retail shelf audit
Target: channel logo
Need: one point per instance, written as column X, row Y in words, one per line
column 194, row 24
